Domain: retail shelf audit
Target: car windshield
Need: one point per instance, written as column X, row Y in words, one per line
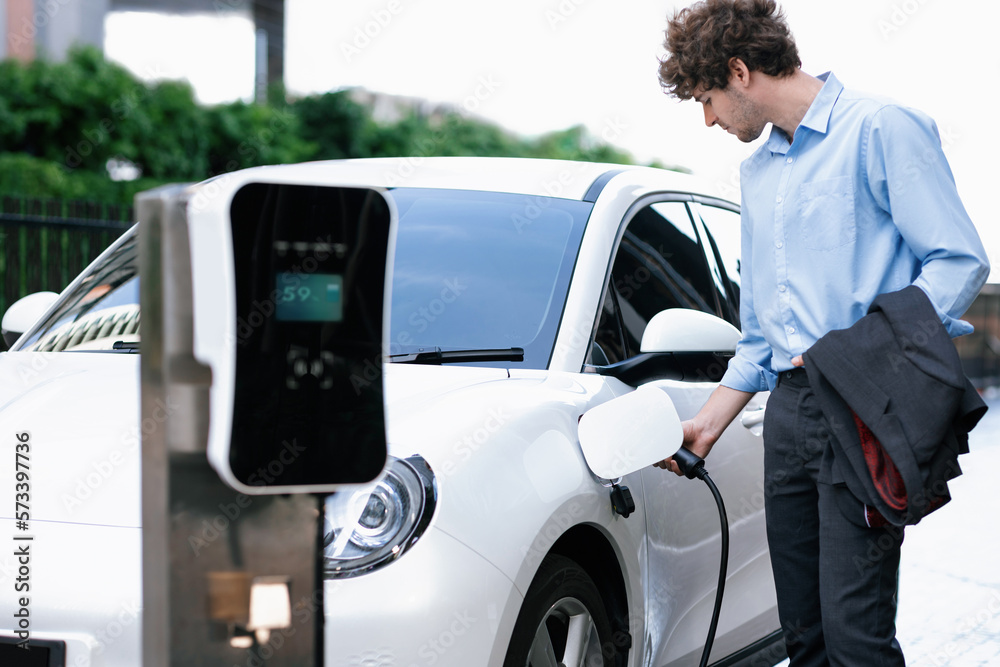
column 472, row 270
column 482, row 270
column 102, row 310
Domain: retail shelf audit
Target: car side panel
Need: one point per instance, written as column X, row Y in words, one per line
column 684, row 543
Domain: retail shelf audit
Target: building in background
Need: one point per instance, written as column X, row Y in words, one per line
column 49, row 28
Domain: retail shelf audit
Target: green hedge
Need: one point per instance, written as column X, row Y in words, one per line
column 27, row 176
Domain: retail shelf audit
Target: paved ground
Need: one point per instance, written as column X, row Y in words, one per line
column 949, row 590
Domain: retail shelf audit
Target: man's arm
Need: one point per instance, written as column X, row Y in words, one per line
column 747, row 373
column 702, row 431
column 910, row 179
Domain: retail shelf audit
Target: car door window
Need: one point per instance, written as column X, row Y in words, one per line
column 660, row 264
column 723, row 226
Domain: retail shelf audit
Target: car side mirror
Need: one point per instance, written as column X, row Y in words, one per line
column 23, row 313
column 678, row 344
column 630, row 432
column 685, row 330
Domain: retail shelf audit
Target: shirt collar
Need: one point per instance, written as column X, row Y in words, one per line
column 817, row 117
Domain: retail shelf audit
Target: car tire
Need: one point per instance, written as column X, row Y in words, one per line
column 562, row 621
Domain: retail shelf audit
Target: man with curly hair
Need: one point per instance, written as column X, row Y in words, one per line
column 850, row 197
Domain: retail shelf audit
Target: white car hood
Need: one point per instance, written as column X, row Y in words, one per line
column 446, row 413
column 81, row 411
column 414, row 390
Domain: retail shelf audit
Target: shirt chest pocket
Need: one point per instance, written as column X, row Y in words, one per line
column 826, row 213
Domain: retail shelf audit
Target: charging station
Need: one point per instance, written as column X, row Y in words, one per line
column 261, row 301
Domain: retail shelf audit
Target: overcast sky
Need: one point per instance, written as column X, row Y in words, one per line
column 541, row 65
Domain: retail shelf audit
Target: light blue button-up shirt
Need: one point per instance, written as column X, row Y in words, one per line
column 860, row 203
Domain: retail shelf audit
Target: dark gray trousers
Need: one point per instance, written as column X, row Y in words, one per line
column 836, row 578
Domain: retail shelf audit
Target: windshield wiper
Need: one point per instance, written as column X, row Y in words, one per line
column 436, row 355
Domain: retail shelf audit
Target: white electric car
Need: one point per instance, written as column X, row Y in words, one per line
column 488, row 541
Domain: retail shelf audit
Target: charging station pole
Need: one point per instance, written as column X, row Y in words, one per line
column 232, row 496
column 207, row 549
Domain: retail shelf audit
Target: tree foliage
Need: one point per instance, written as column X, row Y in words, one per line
column 25, row 175
column 79, row 113
column 61, row 123
column 241, row 135
column 335, row 125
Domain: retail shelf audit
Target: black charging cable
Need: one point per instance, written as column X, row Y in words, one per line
column 692, row 466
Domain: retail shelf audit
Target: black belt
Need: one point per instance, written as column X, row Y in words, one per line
column 796, row 376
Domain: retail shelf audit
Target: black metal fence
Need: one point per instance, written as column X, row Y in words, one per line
column 45, row 243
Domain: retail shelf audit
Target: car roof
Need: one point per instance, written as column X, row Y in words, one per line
column 527, row 176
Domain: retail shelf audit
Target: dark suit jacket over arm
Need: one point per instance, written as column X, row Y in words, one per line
column 898, row 370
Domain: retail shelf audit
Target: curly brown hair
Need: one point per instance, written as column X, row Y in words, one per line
column 701, row 39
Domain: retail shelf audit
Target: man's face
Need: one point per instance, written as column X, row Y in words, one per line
column 733, row 111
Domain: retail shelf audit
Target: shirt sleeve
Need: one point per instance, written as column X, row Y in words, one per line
column 750, row 369
column 909, row 177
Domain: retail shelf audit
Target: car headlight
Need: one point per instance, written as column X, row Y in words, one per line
column 375, row 524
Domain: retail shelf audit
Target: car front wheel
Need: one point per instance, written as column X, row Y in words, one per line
column 562, row 621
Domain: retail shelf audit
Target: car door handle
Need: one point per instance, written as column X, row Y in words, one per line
column 752, row 418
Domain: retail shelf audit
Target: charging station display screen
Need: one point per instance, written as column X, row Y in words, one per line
column 311, row 297
column 310, row 265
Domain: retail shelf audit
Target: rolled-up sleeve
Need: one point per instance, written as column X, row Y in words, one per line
column 910, row 179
